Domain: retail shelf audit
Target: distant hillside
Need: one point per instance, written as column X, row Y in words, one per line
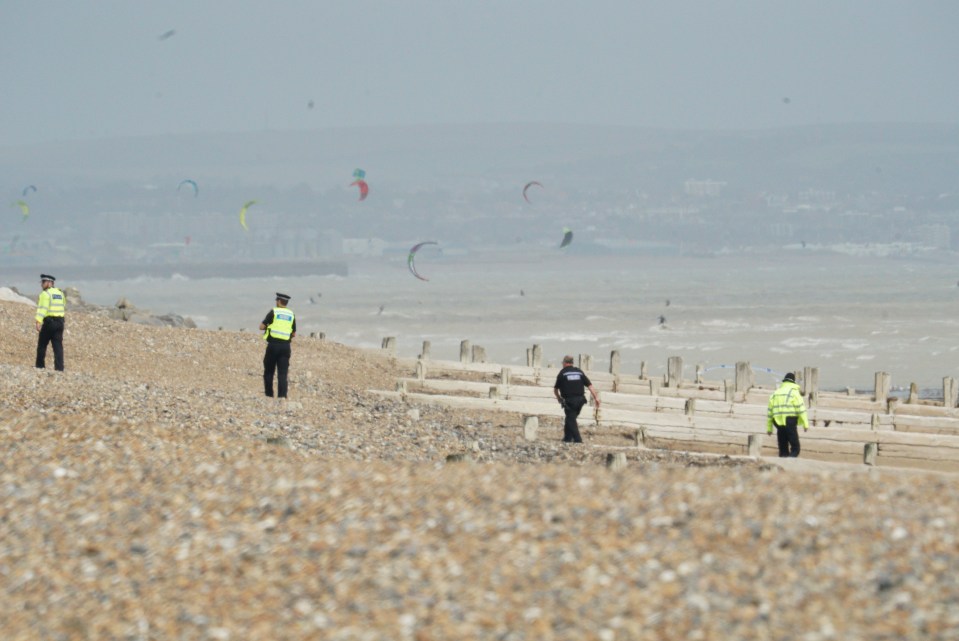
column 862, row 157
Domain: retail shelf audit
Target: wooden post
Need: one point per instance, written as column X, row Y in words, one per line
column 585, row 362
column 874, row 422
column 494, row 392
column 729, row 393
column 744, row 376
column 465, row 351
column 420, row 371
column 616, row 461
column 654, row 384
column 881, row 390
column 950, row 393
column 754, row 445
column 913, row 393
column 537, row 356
column 643, row 372
column 504, row 376
column 699, row 373
column 479, row 354
column 869, row 453
column 530, row 425
column 389, row 344
column 810, row 383
column 674, row 369
column 690, row 407
column 640, row 436
column 614, row 362
column 425, row 354
column 401, row 387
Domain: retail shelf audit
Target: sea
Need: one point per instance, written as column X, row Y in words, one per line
column 851, row 316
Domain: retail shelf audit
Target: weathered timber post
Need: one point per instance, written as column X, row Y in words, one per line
column 504, row 376
column 640, row 436
column 530, row 425
column 810, row 385
column 654, row 384
column 699, row 373
column 643, row 372
column 874, row 422
column 754, row 445
column 585, row 362
column 950, row 393
column 537, row 360
column 744, row 376
column 479, row 354
column 614, row 362
column 465, row 351
column 881, row 390
column 389, row 344
column 690, row 407
column 729, row 393
column 674, row 369
column 494, row 392
column 420, row 371
column 616, row 461
column 913, row 393
column 869, row 453
column 425, row 354
column 401, row 387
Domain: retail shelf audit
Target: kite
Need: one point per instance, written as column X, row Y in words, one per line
column 192, row 183
column 359, row 174
column 528, row 185
column 166, row 35
column 413, row 250
column 364, row 188
column 29, row 188
column 24, row 207
column 246, row 206
column 567, row 237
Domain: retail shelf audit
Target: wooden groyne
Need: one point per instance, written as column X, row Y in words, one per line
column 699, row 414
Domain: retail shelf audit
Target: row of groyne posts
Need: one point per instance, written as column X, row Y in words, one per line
column 743, row 380
column 733, row 391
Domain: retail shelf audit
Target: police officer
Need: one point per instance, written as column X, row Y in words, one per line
column 279, row 328
column 570, row 391
column 51, row 307
column 786, row 412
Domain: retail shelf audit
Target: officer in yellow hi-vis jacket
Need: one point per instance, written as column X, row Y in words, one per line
column 51, row 307
column 279, row 328
column 786, row 413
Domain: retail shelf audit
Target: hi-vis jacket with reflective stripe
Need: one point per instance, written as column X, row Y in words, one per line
column 786, row 401
column 282, row 325
column 51, row 302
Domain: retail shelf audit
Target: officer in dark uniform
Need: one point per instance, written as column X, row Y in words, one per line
column 570, row 391
column 279, row 328
column 51, row 307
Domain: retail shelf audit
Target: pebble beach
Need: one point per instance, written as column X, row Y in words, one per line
column 152, row 492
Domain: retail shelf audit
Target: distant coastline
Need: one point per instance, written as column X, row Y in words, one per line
column 229, row 269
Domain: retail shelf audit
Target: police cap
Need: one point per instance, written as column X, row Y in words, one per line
column 283, row 297
column 48, row 277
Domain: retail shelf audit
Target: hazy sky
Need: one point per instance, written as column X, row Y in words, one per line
column 89, row 69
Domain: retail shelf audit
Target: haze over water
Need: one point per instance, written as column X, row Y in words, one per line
column 849, row 316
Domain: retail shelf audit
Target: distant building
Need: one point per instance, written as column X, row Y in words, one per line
column 703, row 187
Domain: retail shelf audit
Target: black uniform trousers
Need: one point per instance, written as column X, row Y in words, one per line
column 51, row 331
column 788, row 437
column 277, row 358
column 572, row 406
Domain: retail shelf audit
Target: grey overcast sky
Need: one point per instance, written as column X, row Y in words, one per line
column 89, row 69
